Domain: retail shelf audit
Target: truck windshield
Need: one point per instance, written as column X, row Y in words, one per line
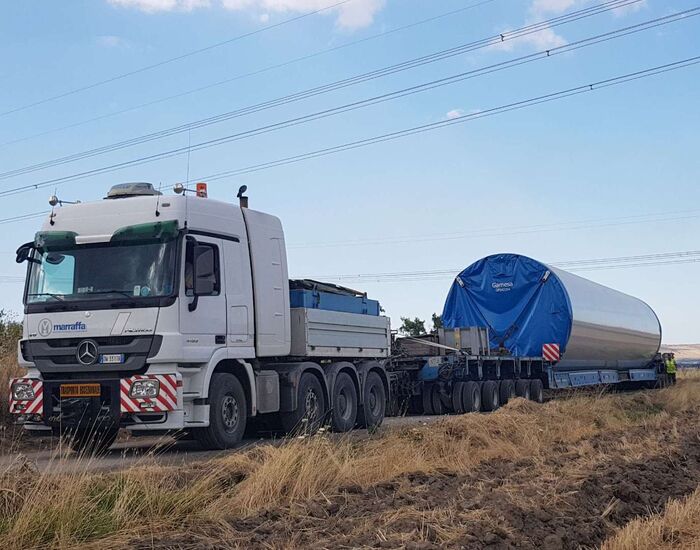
column 104, row 271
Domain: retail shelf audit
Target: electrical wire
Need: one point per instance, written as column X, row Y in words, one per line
column 667, row 258
column 170, row 60
column 391, row 136
column 515, row 230
column 364, row 142
column 427, row 86
column 249, row 74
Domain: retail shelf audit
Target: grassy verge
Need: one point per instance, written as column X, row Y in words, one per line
column 72, row 509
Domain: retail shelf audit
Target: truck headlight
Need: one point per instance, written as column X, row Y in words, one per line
column 22, row 391
column 145, row 388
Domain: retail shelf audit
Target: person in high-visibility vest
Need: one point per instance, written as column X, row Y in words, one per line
column 671, row 368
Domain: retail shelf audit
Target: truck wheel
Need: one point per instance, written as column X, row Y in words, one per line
column 344, row 412
column 458, row 397
column 228, row 413
column 471, row 397
column 489, row 396
column 536, row 390
column 92, row 442
column 522, row 388
column 506, row 391
column 311, row 407
column 374, row 402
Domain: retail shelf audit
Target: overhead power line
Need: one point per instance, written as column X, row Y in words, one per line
column 538, row 100
column 255, row 72
column 314, row 154
column 419, row 88
column 170, row 60
column 501, row 231
column 619, row 262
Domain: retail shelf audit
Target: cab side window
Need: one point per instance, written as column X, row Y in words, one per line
column 189, row 267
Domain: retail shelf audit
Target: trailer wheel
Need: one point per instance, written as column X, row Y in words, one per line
column 458, row 397
column 228, row 413
column 344, row 413
column 506, row 391
column 436, row 398
column 471, row 397
column 374, row 403
column 489, row 396
column 311, row 407
column 536, row 390
column 522, row 388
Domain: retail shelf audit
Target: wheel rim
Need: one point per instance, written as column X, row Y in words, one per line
column 373, row 401
column 344, row 404
column 310, row 405
column 477, row 400
column 229, row 413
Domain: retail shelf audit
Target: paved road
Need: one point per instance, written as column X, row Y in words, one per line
column 159, row 450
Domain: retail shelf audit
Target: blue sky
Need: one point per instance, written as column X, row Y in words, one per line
column 604, row 159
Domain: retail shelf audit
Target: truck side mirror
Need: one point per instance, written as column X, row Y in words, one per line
column 204, row 276
column 24, row 253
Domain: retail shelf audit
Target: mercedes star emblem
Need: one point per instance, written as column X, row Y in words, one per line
column 87, row 352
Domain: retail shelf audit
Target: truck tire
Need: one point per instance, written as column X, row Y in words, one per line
column 373, row 403
column 228, row 413
column 506, row 391
column 311, row 407
column 344, row 413
column 92, row 442
column 471, row 397
column 522, row 388
column 536, row 390
column 436, row 398
column 458, row 397
column 489, row 396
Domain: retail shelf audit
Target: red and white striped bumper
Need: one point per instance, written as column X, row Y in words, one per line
column 169, row 396
column 28, row 406
column 550, row 352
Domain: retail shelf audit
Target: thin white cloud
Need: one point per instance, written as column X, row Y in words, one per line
column 545, row 39
column 555, row 7
column 112, row 41
column 154, row 6
column 454, row 113
column 350, row 16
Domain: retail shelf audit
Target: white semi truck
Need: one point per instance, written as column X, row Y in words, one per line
column 161, row 313
column 175, row 313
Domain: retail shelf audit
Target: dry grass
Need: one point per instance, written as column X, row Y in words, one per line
column 71, row 509
column 8, row 369
column 677, row 527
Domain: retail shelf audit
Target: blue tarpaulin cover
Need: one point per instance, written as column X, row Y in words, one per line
column 523, row 304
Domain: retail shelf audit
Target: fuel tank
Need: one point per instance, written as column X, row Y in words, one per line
column 527, row 304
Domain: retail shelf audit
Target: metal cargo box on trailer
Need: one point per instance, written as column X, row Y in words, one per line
column 526, row 304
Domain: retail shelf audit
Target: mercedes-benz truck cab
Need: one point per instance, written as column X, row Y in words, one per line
column 163, row 313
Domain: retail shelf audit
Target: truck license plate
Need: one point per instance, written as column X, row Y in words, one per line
column 111, row 358
column 80, row 390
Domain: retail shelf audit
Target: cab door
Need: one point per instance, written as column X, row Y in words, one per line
column 239, row 299
column 202, row 317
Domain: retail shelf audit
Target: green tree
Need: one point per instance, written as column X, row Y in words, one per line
column 437, row 323
column 10, row 332
column 412, row 327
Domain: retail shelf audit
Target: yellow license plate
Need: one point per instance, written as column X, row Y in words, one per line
column 80, row 390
